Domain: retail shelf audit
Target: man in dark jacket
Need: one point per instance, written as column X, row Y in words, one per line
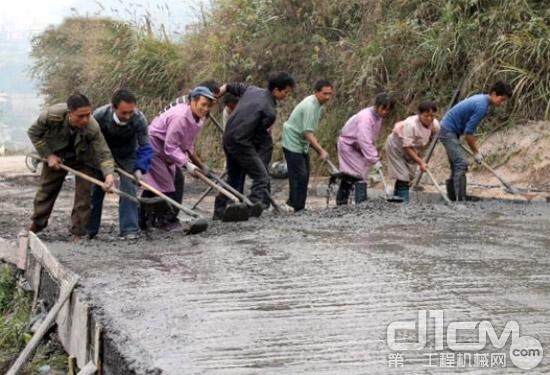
column 247, row 137
column 67, row 133
column 125, row 130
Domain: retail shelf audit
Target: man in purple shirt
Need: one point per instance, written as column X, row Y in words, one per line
column 463, row 119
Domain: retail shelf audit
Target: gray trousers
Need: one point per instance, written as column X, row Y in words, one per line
column 456, row 184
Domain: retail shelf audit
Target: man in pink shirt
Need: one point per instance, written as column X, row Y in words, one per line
column 172, row 135
column 356, row 147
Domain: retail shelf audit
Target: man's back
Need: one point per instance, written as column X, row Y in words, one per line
column 254, row 114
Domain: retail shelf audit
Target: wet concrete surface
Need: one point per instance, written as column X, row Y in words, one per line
column 313, row 293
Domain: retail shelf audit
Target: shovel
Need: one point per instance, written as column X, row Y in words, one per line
column 199, row 225
column 445, row 197
column 93, row 180
column 389, row 198
column 507, row 187
column 335, row 174
column 255, row 209
column 235, row 211
column 205, row 193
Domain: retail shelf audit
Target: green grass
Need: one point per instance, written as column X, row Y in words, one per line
column 15, row 308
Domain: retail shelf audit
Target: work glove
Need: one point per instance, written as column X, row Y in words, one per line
column 478, row 158
column 190, row 167
column 138, row 175
column 378, row 166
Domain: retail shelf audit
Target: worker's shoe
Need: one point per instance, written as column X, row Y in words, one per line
column 460, row 189
column 401, row 189
column 360, row 192
column 132, row 236
column 450, row 185
column 34, row 228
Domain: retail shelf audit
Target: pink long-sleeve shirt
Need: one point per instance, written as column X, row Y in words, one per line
column 356, row 148
column 172, row 135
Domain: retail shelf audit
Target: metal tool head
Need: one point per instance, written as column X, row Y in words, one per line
column 196, row 226
column 255, row 210
column 394, row 199
column 235, row 212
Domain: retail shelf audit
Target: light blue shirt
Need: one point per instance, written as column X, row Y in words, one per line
column 464, row 117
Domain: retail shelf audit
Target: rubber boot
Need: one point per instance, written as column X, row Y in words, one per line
column 450, row 189
column 360, row 192
column 401, row 189
column 344, row 190
column 460, row 189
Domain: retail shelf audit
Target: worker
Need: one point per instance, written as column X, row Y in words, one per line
column 406, row 142
column 67, row 133
column 247, row 138
column 179, row 179
column 229, row 104
column 356, row 147
column 298, row 136
column 172, row 135
column 463, row 119
column 125, row 130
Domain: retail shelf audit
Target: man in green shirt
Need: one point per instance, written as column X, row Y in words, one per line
column 298, row 135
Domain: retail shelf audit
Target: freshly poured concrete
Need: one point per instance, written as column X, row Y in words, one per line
column 314, row 293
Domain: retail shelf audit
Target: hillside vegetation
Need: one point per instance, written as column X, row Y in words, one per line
column 414, row 49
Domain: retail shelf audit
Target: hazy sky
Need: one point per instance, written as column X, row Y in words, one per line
column 37, row 14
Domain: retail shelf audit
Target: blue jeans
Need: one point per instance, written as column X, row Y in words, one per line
column 298, row 178
column 127, row 210
column 459, row 165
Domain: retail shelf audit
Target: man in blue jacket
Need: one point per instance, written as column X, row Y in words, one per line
column 125, row 130
column 463, row 119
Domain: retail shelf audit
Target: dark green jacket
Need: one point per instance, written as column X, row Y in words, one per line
column 50, row 134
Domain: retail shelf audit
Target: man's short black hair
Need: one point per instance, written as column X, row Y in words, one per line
column 123, row 95
column 280, row 80
column 76, row 101
column 426, row 106
column 321, row 83
column 502, row 88
column 212, row 85
column 230, row 99
column 384, row 100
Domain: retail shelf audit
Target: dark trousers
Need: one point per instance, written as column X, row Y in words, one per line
column 162, row 213
column 242, row 162
column 298, row 178
column 127, row 209
column 51, row 182
column 347, row 184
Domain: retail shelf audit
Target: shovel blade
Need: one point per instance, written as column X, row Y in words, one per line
column 196, row 226
column 255, row 210
column 235, row 212
column 395, row 199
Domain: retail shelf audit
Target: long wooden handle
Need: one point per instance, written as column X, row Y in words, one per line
column 509, row 187
column 93, row 180
column 213, row 185
column 160, row 194
column 384, row 183
column 333, row 169
column 205, row 193
column 231, row 189
column 218, row 125
column 437, row 186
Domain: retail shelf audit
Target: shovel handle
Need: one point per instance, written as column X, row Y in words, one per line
column 91, row 179
column 429, row 173
column 160, row 194
column 333, row 169
column 216, row 123
column 384, row 183
column 213, row 185
column 508, row 187
column 205, row 193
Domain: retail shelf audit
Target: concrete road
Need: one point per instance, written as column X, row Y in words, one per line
column 315, row 293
